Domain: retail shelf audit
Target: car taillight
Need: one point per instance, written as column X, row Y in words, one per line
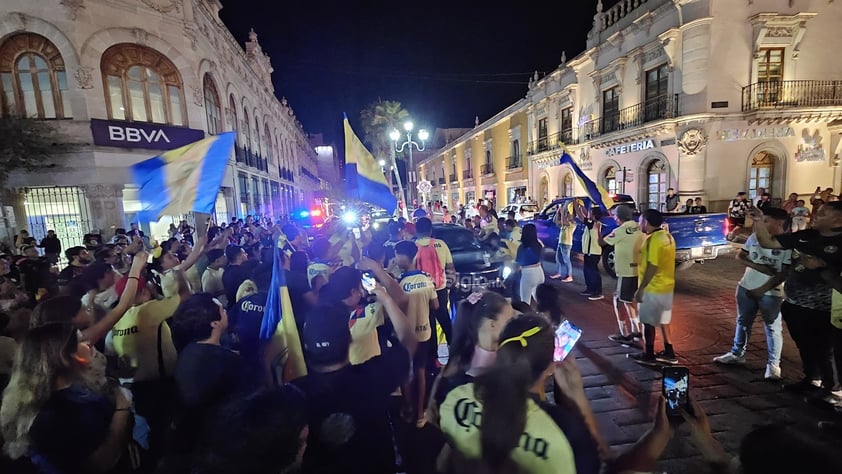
column 316, row 212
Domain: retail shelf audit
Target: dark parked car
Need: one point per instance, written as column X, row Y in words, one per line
column 474, row 269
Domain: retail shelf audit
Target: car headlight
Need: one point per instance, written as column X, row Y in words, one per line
column 376, row 225
column 349, row 217
column 507, row 270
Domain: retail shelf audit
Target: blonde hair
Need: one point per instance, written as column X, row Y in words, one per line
column 45, row 354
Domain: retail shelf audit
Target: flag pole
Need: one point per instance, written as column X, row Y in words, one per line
column 400, row 184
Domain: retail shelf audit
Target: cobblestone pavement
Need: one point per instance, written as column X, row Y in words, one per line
column 735, row 398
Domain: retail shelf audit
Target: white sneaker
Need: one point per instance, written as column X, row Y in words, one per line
column 773, row 372
column 730, row 358
column 835, row 398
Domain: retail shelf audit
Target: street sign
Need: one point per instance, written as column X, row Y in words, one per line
column 424, row 187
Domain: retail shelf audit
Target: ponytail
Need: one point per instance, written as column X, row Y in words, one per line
column 525, row 353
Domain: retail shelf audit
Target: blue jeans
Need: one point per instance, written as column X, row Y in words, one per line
column 593, row 279
column 770, row 311
column 562, row 257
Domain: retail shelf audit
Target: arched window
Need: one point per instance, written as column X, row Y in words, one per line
column 212, row 108
column 267, row 143
column 656, row 179
column 256, row 145
column 142, row 85
column 33, row 80
column 609, row 180
column 567, row 185
column 246, row 130
column 761, row 174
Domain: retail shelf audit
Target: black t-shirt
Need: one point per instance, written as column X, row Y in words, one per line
column 806, row 287
column 698, row 210
column 234, row 276
column 68, row 429
column 245, row 317
column 349, row 417
column 298, row 285
column 207, row 376
column 36, row 273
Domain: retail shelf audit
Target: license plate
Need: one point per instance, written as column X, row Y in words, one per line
column 701, row 251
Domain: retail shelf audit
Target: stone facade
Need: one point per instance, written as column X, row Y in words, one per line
column 277, row 155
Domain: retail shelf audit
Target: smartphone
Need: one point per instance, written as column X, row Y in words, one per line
column 368, row 280
column 566, row 336
column 676, row 389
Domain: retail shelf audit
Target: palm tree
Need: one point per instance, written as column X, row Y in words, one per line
column 378, row 119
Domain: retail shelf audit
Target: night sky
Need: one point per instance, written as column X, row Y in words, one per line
column 446, row 62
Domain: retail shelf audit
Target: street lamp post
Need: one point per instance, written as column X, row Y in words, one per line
column 399, row 147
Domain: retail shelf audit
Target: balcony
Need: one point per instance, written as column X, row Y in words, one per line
column 514, row 161
column 658, row 108
column 792, row 94
column 452, row 178
column 487, row 169
column 467, row 174
column 441, row 180
column 550, row 142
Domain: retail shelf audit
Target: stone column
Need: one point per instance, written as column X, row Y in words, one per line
column 692, row 159
column 106, row 205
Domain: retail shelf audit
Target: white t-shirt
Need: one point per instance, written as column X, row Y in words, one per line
column 775, row 258
column 212, row 283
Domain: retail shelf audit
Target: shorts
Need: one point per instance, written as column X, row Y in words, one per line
column 655, row 309
column 626, row 288
column 737, row 221
column 422, row 354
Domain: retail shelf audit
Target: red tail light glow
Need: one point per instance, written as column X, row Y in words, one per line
column 316, row 212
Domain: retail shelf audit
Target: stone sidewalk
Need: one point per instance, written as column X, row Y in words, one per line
column 736, row 399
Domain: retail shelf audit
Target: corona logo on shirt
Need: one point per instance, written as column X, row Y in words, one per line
column 407, row 287
column 469, row 416
column 249, row 306
column 125, row 332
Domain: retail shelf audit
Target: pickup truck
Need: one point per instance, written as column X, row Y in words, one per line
column 698, row 237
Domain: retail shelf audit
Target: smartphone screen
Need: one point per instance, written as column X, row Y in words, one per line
column 676, row 388
column 369, row 282
column 566, row 336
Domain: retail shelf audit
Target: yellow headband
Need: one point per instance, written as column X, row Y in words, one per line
column 522, row 338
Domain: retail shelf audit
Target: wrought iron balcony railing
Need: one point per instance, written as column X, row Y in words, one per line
column 441, row 180
column 467, row 174
column 514, row 161
column 452, row 178
column 792, row 94
column 657, row 108
column 487, row 169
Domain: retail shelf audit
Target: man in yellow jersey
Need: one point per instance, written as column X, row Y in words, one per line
column 657, row 284
column 627, row 240
column 142, row 337
column 443, row 274
column 422, row 299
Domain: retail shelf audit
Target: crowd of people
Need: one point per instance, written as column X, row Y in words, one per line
column 149, row 357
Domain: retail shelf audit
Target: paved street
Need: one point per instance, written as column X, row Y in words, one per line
column 736, row 399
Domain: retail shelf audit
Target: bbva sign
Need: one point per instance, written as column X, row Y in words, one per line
column 152, row 136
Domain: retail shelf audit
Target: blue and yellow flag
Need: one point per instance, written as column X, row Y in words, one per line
column 597, row 193
column 278, row 324
column 183, row 180
column 366, row 181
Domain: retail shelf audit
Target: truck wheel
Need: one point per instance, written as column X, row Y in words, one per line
column 608, row 261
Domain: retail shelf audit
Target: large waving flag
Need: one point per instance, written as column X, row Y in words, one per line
column 185, row 179
column 365, row 179
column 278, row 324
column 597, row 193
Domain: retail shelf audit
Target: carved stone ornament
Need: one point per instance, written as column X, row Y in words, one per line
column 84, row 77
column 163, row 6
column 74, row 6
column 692, row 141
column 141, row 36
column 103, row 190
column 198, row 96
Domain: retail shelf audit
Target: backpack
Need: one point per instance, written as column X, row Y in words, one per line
column 427, row 260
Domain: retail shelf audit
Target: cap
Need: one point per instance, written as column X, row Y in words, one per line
column 624, row 212
column 120, row 286
column 327, row 335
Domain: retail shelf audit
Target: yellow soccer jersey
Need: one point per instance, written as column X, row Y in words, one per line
column 659, row 250
column 363, row 324
column 543, row 447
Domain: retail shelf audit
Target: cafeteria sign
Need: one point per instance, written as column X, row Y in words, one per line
column 631, row 147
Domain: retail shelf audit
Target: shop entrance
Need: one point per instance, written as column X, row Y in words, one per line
column 63, row 209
